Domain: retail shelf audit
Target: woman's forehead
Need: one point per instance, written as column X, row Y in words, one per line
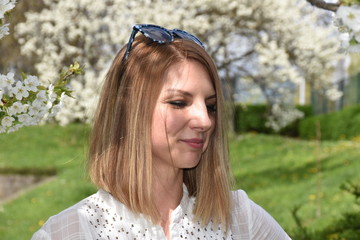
column 184, row 70
column 187, row 77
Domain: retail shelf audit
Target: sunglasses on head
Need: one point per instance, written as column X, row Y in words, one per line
column 160, row 35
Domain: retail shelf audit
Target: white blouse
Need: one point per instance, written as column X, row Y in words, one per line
column 101, row 216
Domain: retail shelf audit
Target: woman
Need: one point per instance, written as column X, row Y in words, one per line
column 158, row 152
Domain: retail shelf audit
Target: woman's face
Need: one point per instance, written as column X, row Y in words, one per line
column 184, row 117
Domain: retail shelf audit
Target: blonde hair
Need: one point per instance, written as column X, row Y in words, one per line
column 120, row 157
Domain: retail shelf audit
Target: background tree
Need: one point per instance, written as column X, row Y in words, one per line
column 24, row 101
column 347, row 19
column 272, row 44
column 9, row 46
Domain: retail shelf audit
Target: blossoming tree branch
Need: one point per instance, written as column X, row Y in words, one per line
column 26, row 101
column 261, row 47
column 347, row 13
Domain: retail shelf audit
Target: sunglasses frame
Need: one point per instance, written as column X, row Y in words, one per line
column 171, row 35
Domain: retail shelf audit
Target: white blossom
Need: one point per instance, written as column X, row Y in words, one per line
column 285, row 44
column 20, row 91
column 357, row 36
column 16, row 108
column 21, row 102
column 55, row 109
column 348, row 22
column 344, row 40
column 282, row 115
column 31, row 83
column 9, row 79
column 4, row 30
column 5, row 6
column 41, row 96
column 350, row 16
column 24, row 118
column 354, row 48
column 2, row 129
column 3, row 79
column 51, row 94
column 14, row 128
column 36, row 111
column 7, row 121
column 333, row 94
column 39, row 103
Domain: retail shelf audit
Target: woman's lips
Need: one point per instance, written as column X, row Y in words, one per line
column 196, row 143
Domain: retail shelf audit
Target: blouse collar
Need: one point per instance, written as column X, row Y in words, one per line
column 185, row 208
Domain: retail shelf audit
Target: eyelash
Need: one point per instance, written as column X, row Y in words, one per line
column 178, row 104
column 181, row 104
column 211, row 108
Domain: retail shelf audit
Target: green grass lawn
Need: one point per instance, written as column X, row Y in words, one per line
column 277, row 173
column 281, row 173
column 44, row 147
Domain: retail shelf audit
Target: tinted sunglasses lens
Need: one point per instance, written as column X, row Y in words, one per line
column 157, row 34
column 185, row 35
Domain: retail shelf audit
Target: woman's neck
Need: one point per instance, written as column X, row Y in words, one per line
column 167, row 192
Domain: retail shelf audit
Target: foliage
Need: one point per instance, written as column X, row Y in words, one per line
column 343, row 124
column 249, row 118
column 272, row 44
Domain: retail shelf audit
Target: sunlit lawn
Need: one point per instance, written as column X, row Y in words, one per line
column 281, row 173
column 44, row 147
column 277, row 173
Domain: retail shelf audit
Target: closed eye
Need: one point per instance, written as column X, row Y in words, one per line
column 178, row 104
column 211, row 108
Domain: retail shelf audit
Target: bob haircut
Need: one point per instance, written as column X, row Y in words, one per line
column 120, row 156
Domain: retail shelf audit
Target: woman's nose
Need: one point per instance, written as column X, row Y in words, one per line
column 200, row 118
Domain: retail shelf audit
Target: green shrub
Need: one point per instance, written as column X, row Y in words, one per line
column 353, row 129
column 293, row 128
column 343, row 124
column 252, row 118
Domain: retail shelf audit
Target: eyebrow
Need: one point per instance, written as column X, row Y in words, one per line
column 172, row 90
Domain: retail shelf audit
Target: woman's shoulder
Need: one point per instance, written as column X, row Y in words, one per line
column 82, row 207
column 250, row 221
column 241, row 202
column 239, row 194
column 74, row 217
column 241, row 207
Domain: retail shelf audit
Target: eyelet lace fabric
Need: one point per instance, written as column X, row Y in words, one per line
column 100, row 216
